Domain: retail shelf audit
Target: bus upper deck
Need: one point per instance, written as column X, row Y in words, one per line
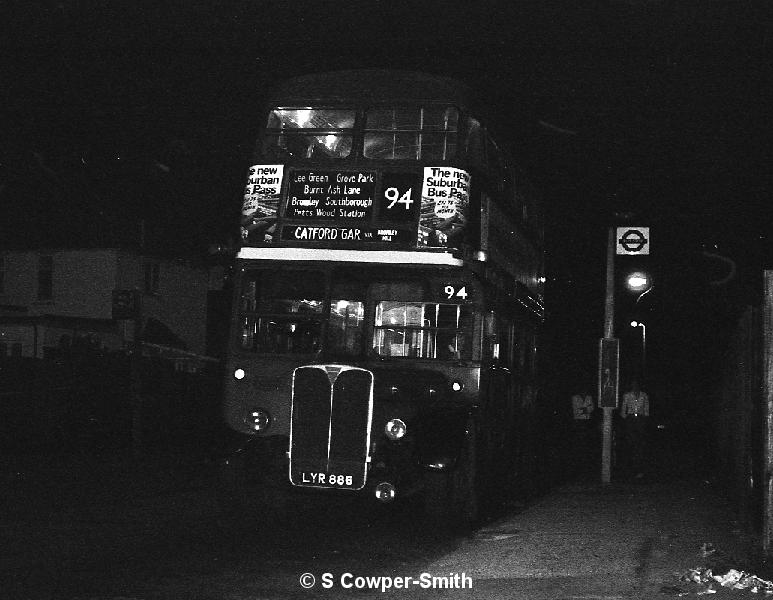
column 395, row 163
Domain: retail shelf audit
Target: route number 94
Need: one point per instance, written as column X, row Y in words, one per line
column 393, row 195
column 452, row 292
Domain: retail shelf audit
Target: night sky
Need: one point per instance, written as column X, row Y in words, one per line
column 656, row 108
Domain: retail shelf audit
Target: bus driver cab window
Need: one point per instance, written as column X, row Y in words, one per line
column 282, row 311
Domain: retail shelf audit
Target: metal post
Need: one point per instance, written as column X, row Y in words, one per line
column 609, row 319
column 135, row 383
column 767, row 387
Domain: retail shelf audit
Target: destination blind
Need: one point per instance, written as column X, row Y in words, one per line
column 341, row 207
column 316, row 233
column 330, row 195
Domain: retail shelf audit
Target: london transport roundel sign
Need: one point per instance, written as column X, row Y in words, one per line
column 633, row 240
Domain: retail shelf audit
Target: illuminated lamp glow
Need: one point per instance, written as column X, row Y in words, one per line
column 457, row 386
column 239, row 374
column 638, row 281
column 302, row 117
column 437, row 466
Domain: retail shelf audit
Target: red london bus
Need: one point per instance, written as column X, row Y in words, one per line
column 388, row 296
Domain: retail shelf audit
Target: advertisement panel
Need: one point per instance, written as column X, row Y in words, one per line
column 261, row 202
column 445, row 199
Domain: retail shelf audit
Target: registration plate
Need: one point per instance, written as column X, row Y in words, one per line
column 327, row 479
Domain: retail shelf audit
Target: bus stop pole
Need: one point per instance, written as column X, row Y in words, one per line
column 767, row 388
column 135, row 377
column 609, row 318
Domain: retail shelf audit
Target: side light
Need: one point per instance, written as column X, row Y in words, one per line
column 395, row 429
column 258, row 419
column 239, row 374
column 438, row 466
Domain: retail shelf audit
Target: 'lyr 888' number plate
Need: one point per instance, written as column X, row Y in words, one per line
column 327, row 479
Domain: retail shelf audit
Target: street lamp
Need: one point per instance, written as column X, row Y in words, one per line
column 639, row 282
column 643, row 344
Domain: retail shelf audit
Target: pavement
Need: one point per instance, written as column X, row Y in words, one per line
column 632, row 539
column 636, row 538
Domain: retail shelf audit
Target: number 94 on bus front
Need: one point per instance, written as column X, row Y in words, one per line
column 456, row 292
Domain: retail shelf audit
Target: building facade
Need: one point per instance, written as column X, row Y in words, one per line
column 50, row 299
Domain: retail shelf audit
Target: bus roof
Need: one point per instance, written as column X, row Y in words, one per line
column 369, row 86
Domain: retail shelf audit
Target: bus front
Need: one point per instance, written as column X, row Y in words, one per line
column 357, row 322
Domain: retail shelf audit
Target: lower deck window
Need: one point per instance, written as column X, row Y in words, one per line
column 277, row 335
column 423, row 330
column 344, row 332
column 282, row 312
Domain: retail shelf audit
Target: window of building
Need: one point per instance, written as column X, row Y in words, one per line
column 417, row 133
column 45, row 278
column 10, row 348
column 152, row 274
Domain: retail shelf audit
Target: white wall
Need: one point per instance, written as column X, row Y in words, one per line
column 84, row 280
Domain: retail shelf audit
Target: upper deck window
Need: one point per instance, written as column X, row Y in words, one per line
column 309, row 133
column 417, row 133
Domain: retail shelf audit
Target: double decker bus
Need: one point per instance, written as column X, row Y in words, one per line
column 388, row 296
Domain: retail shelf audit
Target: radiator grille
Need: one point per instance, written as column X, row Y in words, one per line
column 330, row 426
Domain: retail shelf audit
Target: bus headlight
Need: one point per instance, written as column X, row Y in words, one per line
column 395, row 429
column 258, row 419
column 385, row 492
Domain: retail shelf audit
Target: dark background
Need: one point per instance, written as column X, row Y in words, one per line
column 115, row 117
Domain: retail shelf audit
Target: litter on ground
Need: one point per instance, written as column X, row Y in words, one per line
column 733, row 579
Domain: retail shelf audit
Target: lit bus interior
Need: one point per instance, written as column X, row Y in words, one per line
column 290, row 312
column 405, row 133
column 422, row 330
